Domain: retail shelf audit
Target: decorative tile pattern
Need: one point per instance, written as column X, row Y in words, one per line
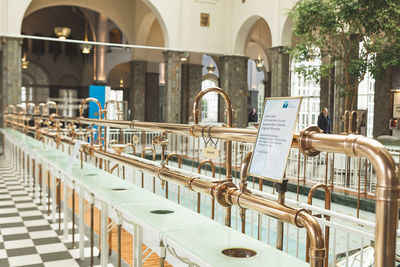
column 27, row 235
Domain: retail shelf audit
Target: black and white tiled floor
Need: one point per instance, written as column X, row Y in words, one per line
column 27, row 235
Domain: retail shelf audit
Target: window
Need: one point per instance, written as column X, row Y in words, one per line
column 309, row 90
column 117, row 95
column 210, row 100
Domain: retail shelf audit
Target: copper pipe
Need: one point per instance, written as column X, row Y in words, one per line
column 229, row 124
column 346, row 122
column 227, row 194
column 179, row 158
column 387, row 187
column 387, row 174
column 198, row 194
column 328, row 207
column 244, row 168
column 119, row 112
column 51, row 103
column 154, row 158
column 351, row 124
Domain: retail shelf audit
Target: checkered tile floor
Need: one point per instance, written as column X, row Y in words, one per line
column 27, row 235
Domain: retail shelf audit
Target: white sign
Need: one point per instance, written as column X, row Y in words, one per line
column 73, row 155
column 274, row 138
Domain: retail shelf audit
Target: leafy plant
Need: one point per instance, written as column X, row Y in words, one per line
column 354, row 36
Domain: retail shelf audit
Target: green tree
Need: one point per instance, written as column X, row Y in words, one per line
column 356, row 36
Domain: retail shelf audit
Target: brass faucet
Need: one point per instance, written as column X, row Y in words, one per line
column 99, row 130
column 119, row 112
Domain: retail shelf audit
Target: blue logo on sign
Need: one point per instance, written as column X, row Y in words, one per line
column 285, row 104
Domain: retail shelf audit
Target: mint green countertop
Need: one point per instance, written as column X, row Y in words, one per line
column 197, row 235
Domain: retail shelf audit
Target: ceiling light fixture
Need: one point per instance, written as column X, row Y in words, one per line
column 259, row 61
column 24, row 61
column 121, row 82
column 62, row 32
column 86, row 48
column 210, row 68
column 184, row 56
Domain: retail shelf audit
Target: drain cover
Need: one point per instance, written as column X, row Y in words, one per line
column 162, row 212
column 119, row 189
column 239, row 252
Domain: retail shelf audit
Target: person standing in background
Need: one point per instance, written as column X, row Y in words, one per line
column 324, row 121
column 253, row 116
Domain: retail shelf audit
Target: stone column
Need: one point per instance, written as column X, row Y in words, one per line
column 191, row 86
column 10, row 65
column 100, row 59
column 137, row 90
column 233, row 79
column 267, row 84
column 152, row 93
column 383, row 106
column 172, row 96
column 280, row 72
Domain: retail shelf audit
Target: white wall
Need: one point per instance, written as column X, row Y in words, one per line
column 179, row 20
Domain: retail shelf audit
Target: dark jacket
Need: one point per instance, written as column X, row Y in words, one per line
column 324, row 123
column 253, row 117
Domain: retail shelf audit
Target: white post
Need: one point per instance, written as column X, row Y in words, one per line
column 104, row 234
column 81, row 222
column 65, row 205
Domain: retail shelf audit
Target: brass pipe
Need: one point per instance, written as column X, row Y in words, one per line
column 387, row 187
column 346, row 120
column 387, row 174
column 51, row 103
column 328, row 207
column 119, row 112
column 154, row 158
column 227, row 194
column 229, row 124
column 179, row 158
column 351, row 124
column 198, row 194
column 244, row 168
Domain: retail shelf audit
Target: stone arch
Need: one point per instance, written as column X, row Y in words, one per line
column 287, row 33
column 119, row 71
column 160, row 20
column 245, row 31
column 39, row 74
column 41, row 4
column 144, row 28
column 68, row 80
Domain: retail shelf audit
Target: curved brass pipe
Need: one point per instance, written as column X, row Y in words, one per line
column 177, row 156
column 207, row 161
column 119, row 112
column 346, row 120
column 244, row 170
column 87, row 100
column 196, row 105
column 351, row 125
column 42, row 109
column 327, row 207
column 33, row 106
column 20, row 106
column 12, row 107
column 148, row 149
column 51, row 103
column 229, row 124
column 387, row 187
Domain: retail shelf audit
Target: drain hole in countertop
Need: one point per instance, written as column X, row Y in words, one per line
column 162, row 212
column 239, row 252
column 119, row 189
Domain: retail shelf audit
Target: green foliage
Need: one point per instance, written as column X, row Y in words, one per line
column 333, row 30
